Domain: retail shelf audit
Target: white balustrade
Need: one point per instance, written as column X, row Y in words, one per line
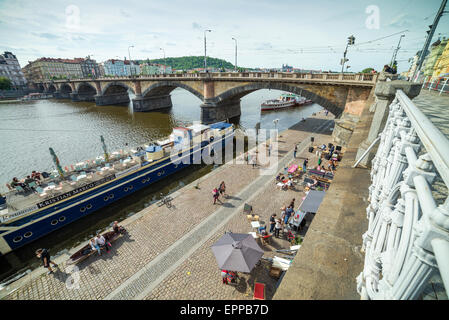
column 407, row 239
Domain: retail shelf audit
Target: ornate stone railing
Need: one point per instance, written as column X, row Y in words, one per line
column 407, row 239
column 337, row 77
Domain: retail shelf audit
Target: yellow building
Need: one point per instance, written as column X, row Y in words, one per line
column 442, row 65
column 435, row 53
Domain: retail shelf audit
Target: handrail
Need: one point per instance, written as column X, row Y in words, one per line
column 436, row 144
column 408, row 232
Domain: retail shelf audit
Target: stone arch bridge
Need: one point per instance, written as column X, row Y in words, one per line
column 220, row 92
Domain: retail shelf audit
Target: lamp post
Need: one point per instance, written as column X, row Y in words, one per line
column 205, row 56
column 351, row 41
column 235, row 65
column 165, row 64
column 275, row 121
column 130, row 63
column 393, row 59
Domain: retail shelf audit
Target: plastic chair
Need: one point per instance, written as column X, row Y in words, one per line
column 259, row 291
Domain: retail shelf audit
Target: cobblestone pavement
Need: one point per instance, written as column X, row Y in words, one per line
column 167, row 252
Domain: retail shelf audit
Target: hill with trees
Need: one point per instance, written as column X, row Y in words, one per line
column 191, row 62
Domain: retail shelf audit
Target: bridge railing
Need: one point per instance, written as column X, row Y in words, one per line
column 407, row 239
column 239, row 75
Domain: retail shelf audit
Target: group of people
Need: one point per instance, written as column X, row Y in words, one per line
column 276, row 224
column 27, row 183
column 228, row 276
column 221, row 190
column 97, row 243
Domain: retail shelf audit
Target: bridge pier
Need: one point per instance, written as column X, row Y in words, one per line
column 78, row 97
column 111, row 99
column 62, row 95
column 214, row 112
column 143, row 104
column 57, row 94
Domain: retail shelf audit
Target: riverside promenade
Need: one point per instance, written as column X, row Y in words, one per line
column 167, row 254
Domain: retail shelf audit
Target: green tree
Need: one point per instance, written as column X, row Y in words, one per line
column 5, row 83
column 367, row 70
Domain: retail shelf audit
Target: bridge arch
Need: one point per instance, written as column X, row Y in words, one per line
column 86, row 88
column 164, row 88
column 116, row 88
column 51, row 88
column 241, row 91
column 65, row 88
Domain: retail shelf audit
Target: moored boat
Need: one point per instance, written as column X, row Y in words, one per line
column 69, row 193
column 286, row 100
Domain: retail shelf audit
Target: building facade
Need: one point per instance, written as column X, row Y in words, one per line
column 435, row 53
column 442, row 65
column 89, row 68
column 154, row 68
column 10, row 68
column 114, row 67
column 52, row 69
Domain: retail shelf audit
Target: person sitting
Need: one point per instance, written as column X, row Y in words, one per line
column 224, row 276
column 16, row 183
column 94, row 245
column 102, row 243
column 29, row 180
column 36, row 175
column 117, row 228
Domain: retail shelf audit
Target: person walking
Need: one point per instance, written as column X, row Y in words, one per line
column 272, row 222
column 294, row 151
column 44, row 255
column 222, row 189
column 216, row 194
column 277, row 228
column 304, row 165
column 269, row 150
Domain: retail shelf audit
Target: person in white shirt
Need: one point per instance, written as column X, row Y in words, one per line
column 94, row 245
column 101, row 241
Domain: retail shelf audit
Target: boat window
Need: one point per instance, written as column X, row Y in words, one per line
column 83, row 209
column 54, row 222
column 28, row 234
column 89, row 206
column 111, row 196
column 126, row 189
column 130, row 187
column 106, row 198
column 17, row 239
column 61, row 219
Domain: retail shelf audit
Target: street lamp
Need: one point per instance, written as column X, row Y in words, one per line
column 351, row 41
column 130, row 63
column 235, row 65
column 165, row 64
column 275, row 121
column 205, row 59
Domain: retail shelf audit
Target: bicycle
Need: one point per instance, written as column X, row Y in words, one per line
column 165, row 200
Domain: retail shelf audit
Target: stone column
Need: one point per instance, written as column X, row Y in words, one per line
column 213, row 110
column 385, row 93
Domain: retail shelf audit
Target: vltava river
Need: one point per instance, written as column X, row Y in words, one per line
column 73, row 129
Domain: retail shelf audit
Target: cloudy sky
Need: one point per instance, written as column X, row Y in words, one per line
column 303, row 33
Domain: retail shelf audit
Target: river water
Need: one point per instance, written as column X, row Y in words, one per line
column 73, row 129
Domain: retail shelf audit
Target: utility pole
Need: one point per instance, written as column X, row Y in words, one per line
column 351, row 41
column 130, row 64
column 165, row 63
column 205, row 56
column 429, row 38
column 393, row 59
column 235, row 65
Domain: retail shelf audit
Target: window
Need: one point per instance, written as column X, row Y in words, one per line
column 62, row 219
column 55, row 222
column 17, row 239
column 28, row 234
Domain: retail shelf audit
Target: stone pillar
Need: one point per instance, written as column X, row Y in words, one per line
column 98, row 87
column 77, row 97
column 215, row 112
column 385, row 93
column 57, row 94
column 111, row 99
column 143, row 104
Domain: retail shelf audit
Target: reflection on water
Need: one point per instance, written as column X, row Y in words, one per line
column 73, row 130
